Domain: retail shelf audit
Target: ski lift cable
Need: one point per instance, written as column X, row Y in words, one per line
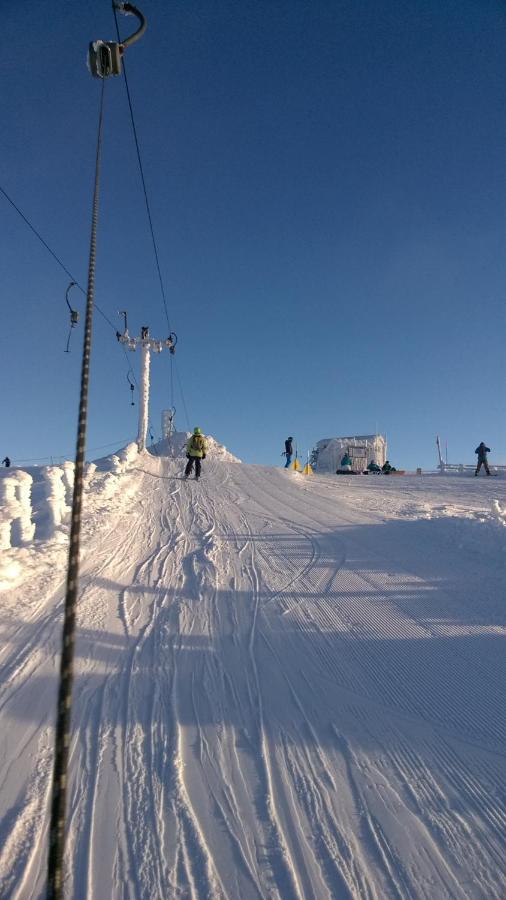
column 61, row 264
column 53, row 254
column 171, row 357
column 118, row 443
column 63, row 717
column 182, row 397
column 143, row 180
column 145, row 191
column 65, row 456
column 104, row 59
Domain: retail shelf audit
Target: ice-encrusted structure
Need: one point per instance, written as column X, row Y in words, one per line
column 362, row 449
column 16, row 527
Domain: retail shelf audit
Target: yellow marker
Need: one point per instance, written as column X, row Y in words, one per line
column 307, row 470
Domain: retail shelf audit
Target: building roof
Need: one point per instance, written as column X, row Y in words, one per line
column 356, row 437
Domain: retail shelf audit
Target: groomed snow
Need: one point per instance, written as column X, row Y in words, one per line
column 286, row 686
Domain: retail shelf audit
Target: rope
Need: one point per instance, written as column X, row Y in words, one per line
column 63, row 720
column 171, row 357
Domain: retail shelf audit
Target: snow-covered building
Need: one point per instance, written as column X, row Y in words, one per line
column 362, row 449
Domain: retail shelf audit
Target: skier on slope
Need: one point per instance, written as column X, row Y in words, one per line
column 482, row 451
column 6, row 462
column 288, row 451
column 196, row 449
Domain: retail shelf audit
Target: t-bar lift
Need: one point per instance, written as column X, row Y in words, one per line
column 147, row 345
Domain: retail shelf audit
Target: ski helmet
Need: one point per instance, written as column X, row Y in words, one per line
column 197, row 430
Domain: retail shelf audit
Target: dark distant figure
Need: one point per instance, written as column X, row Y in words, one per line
column 288, row 451
column 373, row 467
column 6, row 462
column 387, row 468
column 482, row 451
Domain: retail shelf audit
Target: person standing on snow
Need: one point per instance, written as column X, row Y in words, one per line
column 482, row 451
column 6, row 462
column 288, row 451
column 196, row 449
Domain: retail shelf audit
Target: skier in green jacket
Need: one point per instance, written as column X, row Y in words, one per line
column 196, row 449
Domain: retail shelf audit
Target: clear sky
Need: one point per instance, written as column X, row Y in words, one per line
column 328, row 189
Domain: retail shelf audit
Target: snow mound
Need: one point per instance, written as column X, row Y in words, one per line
column 175, row 447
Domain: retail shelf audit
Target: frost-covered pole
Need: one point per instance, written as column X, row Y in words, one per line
column 144, row 397
column 147, row 344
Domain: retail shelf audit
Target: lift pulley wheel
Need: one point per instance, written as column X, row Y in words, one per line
column 104, row 57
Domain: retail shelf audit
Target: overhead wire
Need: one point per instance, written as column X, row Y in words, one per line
column 143, row 180
column 150, row 219
column 62, row 266
column 120, row 442
column 182, row 398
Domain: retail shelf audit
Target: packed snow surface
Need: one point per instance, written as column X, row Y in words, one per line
column 286, row 686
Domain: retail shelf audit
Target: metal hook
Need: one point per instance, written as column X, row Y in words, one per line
column 122, row 312
column 132, row 388
column 74, row 314
column 130, row 9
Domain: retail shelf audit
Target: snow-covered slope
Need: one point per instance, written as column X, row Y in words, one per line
column 286, row 687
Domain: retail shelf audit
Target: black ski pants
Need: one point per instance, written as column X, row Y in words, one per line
column 482, row 462
column 189, row 466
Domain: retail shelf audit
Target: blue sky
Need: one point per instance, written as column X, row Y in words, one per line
column 328, row 191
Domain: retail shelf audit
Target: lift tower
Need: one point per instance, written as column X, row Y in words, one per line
column 147, row 345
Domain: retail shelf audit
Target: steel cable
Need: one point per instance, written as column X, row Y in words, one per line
column 64, row 706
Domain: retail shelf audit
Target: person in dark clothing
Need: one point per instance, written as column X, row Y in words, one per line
column 345, row 468
column 288, row 452
column 6, row 462
column 482, row 451
column 387, row 468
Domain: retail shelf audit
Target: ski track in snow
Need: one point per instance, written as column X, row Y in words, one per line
column 285, row 688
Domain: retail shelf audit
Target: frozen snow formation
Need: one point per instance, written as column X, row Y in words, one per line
column 47, row 519
column 16, row 527
column 54, row 511
column 23, row 520
column 499, row 511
